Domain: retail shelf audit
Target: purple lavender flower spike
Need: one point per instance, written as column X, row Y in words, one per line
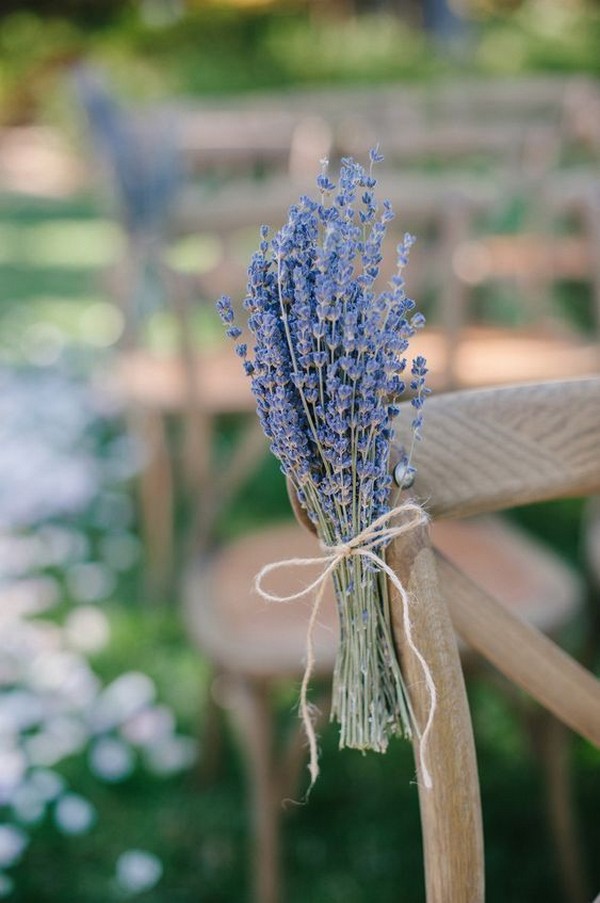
column 327, row 367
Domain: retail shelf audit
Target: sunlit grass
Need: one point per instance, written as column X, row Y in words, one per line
column 70, row 244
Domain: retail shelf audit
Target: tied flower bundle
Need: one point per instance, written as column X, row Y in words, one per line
column 328, row 370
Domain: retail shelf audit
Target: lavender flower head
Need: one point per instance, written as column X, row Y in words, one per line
column 328, row 370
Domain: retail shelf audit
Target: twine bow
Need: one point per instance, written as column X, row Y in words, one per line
column 363, row 544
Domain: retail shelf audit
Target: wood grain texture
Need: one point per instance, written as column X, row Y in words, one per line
column 491, row 449
column 451, row 810
column 523, row 654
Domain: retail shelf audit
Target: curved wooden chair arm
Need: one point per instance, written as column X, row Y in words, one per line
column 496, row 448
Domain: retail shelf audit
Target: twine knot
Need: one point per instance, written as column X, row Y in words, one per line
column 363, row 544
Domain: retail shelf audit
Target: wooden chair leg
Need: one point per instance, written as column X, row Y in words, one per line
column 156, row 502
column 251, row 708
column 551, row 741
column 212, row 734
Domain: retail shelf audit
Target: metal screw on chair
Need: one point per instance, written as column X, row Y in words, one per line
column 404, row 476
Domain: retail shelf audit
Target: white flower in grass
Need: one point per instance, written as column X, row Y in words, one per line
column 47, row 783
column 60, row 737
column 90, row 581
column 19, row 710
column 111, row 760
column 149, row 726
column 122, row 699
column 120, row 550
column 13, row 766
column 12, row 845
column 28, row 804
column 87, row 629
column 74, row 814
column 170, row 755
column 138, row 871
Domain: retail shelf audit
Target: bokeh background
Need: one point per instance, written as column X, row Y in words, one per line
column 142, row 144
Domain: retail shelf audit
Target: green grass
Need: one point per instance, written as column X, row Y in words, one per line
column 357, row 840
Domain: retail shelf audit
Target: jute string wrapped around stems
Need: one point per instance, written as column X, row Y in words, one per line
column 363, row 544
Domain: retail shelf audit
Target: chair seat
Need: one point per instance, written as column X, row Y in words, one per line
column 243, row 633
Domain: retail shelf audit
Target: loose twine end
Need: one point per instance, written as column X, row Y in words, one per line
column 360, row 545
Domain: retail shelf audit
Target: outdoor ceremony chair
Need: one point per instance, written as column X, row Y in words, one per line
column 542, row 442
column 139, row 166
column 484, row 451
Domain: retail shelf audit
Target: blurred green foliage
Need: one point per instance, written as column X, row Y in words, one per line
column 215, row 48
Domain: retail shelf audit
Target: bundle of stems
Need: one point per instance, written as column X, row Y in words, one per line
column 328, row 369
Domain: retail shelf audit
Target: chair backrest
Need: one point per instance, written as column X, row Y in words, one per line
column 484, row 451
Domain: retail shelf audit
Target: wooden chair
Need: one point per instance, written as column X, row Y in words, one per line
column 484, row 451
column 140, row 168
column 543, row 458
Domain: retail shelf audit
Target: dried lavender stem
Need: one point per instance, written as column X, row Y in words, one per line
column 327, row 371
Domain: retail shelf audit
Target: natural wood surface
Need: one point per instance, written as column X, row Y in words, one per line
column 162, row 383
column 510, row 565
column 505, row 256
column 242, row 632
column 523, row 654
column 492, row 449
column 451, row 809
column 245, row 204
column 478, row 356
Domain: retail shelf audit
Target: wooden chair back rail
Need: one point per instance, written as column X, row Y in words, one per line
column 212, row 488
column 525, row 96
column 492, row 449
column 522, row 653
column 446, row 122
column 236, row 206
column 444, row 141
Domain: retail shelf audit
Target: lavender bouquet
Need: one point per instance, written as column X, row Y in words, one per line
column 327, row 370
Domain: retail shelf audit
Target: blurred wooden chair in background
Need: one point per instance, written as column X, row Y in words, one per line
column 141, row 164
column 454, row 260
